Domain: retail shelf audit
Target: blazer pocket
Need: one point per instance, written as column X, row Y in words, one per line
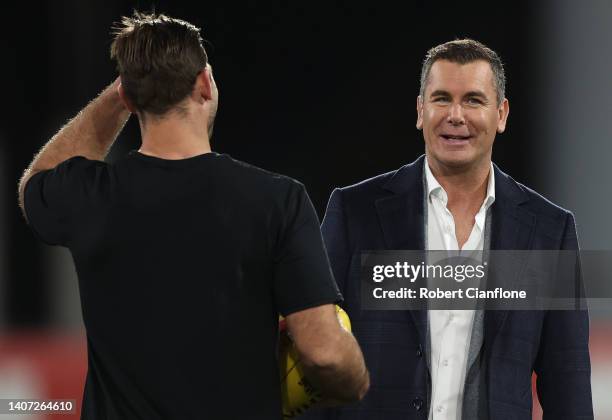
column 510, row 371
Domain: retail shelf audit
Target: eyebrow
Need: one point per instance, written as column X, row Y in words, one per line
column 439, row 93
column 472, row 93
column 477, row 93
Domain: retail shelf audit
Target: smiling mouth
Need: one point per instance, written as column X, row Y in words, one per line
column 454, row 137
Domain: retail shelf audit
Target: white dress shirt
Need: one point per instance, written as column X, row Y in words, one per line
column 450, row 330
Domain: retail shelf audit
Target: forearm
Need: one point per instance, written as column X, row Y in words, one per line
column 90, row 133
column 345, row 377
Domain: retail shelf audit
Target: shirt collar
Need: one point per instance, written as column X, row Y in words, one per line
column 434, row 188
column 490, row 189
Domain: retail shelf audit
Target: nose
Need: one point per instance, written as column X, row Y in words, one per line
column 455, row 115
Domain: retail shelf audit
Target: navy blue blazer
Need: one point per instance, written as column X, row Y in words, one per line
column 386, row 212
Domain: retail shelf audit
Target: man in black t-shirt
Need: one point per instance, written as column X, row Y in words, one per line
column 185, row 257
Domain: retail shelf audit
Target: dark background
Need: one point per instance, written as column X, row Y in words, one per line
column 323, row 92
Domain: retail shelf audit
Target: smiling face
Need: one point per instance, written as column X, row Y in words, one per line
column 459, row 114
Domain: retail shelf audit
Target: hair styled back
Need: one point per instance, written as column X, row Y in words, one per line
column 463, row 51
column 158, row 59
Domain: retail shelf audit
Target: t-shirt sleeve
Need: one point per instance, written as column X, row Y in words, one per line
column 53, row 198
column 302, row 274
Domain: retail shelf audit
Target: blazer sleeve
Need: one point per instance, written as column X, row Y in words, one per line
column 563, row 366
column 335, row 236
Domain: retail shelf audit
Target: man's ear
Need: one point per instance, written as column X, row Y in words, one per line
column 419, row 123
column 124, row 99
column 504, row 111
column 203, row 86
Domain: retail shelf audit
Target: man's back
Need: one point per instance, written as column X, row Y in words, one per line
column 183, row 267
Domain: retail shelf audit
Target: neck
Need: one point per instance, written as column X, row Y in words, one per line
column 174, row 137
column 465, row 186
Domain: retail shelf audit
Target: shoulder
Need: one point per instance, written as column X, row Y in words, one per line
column 252, row 176
column 542, row 205
column 405, row 180
column 370, row 185
column 79, row 163
column 530, row 199
column 252, row 170
column 261, row 188
column 74, row 171
column 552, row 220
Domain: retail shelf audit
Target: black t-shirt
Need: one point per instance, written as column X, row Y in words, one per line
column 183, row 266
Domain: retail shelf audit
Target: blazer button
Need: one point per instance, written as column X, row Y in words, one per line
column 417, row 403
column 419, row 352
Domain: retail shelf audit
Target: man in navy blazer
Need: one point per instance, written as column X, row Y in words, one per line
column 460, row 109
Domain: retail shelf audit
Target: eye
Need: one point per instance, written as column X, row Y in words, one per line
column 475, row 101
column 439, row 99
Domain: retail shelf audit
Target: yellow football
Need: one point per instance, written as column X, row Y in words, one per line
column 296, row 392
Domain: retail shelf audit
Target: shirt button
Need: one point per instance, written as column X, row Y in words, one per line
column 419, row 352
column 417, row 403
column 445, row 362
column 440, row 409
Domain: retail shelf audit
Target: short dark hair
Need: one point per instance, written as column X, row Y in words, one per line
column 465, row 51
column 158, row 59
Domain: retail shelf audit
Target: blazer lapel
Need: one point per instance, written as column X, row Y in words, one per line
column 511, row 229
column 401, row 213
column 401, row 218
